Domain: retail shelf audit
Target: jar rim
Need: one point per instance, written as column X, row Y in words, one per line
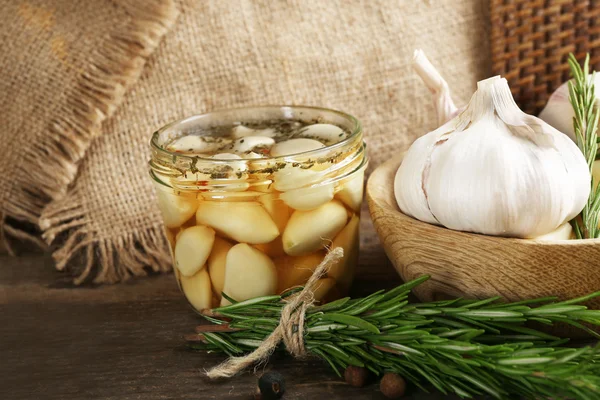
column 355, row 131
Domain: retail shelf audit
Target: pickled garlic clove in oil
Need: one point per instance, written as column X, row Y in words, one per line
column 196, row 144
column 277, row 209
column 309, row 231
column 295, row 146
column 226, row 156
column 193, row 248
column 308, row 198
column 290, row 178
column 326, row 133
column 175, row 209
column 216, row 264
column 351, row 193
column 197, row 289
column 248, row 273
column 246, row 222
column 255, row 144
column 242, row 131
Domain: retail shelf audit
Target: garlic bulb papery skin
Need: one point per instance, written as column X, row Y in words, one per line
column 494, row 170
column 559, row 111
column 444, row 105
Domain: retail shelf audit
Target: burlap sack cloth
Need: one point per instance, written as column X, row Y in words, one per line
column 348, row 55
column 64, row 68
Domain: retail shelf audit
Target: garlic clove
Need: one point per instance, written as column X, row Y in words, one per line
column 268, row 132
column 193, row 248
column 294, row 178
column 175, row 209
column 322, row 288
column 280, row 213
column 352, row 192
column 308, row 198
column 248, row 273
column 277, row 209
column 237, row 168
column 198, row 144
column 309, row 231
column 295, row 146
column 242, row 131
column 264, row 186
column 563, row 232
column 327, row 133
column 216, row 264
column 295, row 271
column 252, row 156
column 349, row 240
column 226, row 156
column 197, row 290
column 252, row 144
column 246, row 222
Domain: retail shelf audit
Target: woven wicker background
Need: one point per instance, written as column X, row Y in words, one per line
column 531, row 39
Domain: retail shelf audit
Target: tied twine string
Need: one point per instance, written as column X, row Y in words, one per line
column 291, row 325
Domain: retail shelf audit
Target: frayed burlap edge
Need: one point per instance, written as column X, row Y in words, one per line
column 53, row 160
column 112, row 259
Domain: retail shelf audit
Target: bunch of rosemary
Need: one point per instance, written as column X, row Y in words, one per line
column 585, row 123
column 467, row 347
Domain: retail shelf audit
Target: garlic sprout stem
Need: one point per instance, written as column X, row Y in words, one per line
column 445, row 107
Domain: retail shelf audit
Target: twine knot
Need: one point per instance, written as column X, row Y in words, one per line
column 290, row 330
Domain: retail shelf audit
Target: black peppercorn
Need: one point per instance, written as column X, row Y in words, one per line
column 356, row 376
column 392, row 386
column 271, row 385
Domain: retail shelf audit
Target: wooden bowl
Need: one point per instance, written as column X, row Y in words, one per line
column 478, row 266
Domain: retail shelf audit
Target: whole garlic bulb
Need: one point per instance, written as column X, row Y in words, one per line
column 559, row 113
column 494, row 170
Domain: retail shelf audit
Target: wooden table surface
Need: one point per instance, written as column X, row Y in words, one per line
column 125, row 341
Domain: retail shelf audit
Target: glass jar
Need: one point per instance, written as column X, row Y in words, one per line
column 254, row 227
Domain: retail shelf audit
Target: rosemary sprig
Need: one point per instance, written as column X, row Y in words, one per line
column 466, row 347
column 585, row 123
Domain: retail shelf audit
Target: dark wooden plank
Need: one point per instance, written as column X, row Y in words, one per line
column 124, row 342
column 130, row 350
